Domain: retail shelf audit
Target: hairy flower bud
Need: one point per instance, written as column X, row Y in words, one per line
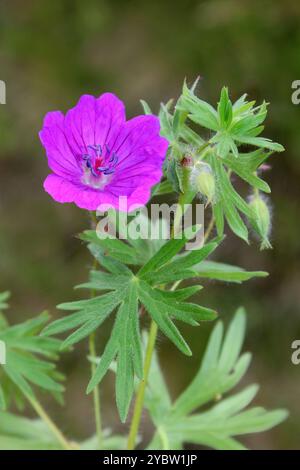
column 262, row 219
column 203, row 180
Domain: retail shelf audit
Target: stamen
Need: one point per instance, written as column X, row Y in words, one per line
column 99, row 164
column 114, row 159
column 108, row 171
column 97, row 148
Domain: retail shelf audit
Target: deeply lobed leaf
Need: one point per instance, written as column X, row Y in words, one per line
column 217, row 426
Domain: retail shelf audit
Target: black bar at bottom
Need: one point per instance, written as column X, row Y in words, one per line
column 134, row 459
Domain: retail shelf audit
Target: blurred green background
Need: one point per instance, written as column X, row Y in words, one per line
column 53, row 51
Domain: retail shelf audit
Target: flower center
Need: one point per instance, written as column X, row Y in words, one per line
column 99, row 164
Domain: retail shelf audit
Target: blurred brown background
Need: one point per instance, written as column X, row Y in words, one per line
column 53, row 51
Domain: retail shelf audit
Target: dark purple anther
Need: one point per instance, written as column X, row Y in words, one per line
column 97, row 163
column 97, row 148
column 114, row 159
column 108, row 171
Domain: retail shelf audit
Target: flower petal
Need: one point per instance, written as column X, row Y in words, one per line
column 141, row 152
column 138, row 178
column 94, row 121
column 139, row 142
column 61, row 159
column 139, row 149
column 60, row 189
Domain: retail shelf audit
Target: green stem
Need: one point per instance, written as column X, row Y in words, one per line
column 93, row 355
column 209, row 228
column 186, row 197
column 96, row 391
column 204, row 149
column 51, row 425
column 139, row 402
column 138, row 408
column 164, row 438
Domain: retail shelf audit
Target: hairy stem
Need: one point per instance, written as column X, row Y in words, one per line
column 209, row 228
column 51, row 425
column 184, row 198
column 139, row 402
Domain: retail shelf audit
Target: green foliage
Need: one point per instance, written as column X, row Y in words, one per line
column 18, row 433
column 180, row 422
column 110, row 441
column 181, row 43
column 215, row 426
column 165, row 187
column 24, row 364
column 226, row 272
column 233, row 124
column 126, row 290
column 4, row 296
column 234, row 127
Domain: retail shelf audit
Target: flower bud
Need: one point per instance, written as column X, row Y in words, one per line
column 187, row 161
column 262, row 219
column 203, row 180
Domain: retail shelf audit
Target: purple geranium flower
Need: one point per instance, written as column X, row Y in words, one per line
column 96, row 156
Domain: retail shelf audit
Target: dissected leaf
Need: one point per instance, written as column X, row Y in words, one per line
column 226, row 272
column 233, row 126
column 24, row 366
column 19, row 433
column 222, row 419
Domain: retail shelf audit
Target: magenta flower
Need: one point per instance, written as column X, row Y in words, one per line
column 96, row 156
